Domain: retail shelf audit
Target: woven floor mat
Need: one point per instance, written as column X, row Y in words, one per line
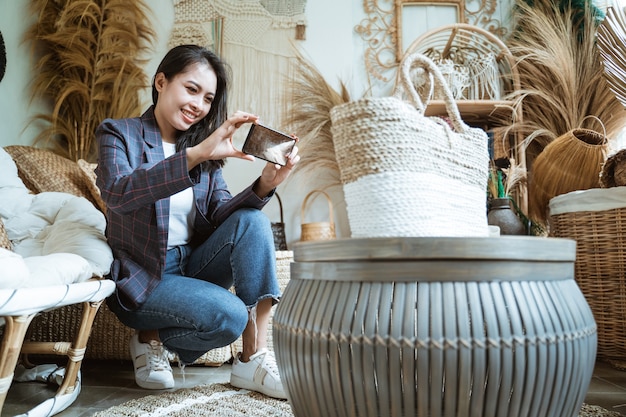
column 221, row 400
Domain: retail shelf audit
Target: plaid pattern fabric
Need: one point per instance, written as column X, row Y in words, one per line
column 136, row 182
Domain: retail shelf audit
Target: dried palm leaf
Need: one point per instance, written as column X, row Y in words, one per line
column 515, row 177
column 612, row 49
column 89, row 65
column 561, row 77
column 312, row 98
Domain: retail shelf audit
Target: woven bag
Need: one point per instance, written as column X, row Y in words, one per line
column 405, row 174
column 278, row 228
column 317, row 230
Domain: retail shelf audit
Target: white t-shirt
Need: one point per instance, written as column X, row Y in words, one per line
column 181, row 210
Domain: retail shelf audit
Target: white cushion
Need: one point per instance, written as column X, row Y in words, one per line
column 594, row 199
column 52, row 223
column 9, row 177
column 39, row 271
column 14, row 270
column 57, row 269
column 61, row 222
column 14, row 195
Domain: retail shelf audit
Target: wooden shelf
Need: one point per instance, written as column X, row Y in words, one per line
column 472, row 111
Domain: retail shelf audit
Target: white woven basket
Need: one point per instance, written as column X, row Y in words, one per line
column 405, row 174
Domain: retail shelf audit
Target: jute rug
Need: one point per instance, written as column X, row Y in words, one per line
column 223, row 400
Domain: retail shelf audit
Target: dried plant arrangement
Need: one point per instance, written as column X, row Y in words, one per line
column 312, row 98
column 612, row 48
column 561, row 77
column 89, row 64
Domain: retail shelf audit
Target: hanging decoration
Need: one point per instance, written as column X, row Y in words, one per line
column 254, row 38
column 380, row 31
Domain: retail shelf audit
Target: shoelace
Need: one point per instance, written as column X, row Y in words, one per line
column 269, row 363
column 157, row 357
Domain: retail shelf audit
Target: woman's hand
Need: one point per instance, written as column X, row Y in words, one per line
column 219, row 145
column 274, row 174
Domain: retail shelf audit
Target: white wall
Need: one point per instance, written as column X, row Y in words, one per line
column 15, row 108
column 331, row 44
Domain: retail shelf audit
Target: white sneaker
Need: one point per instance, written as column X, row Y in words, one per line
column 152, row 367
column 259, row 374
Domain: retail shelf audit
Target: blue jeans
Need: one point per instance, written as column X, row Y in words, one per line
column 192, row 307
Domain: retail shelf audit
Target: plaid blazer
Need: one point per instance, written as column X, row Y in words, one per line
column 136, row 182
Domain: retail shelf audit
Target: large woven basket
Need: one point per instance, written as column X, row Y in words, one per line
column 596, row 219
column 406, row 174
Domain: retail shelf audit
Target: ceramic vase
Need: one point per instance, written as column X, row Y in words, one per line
column 502, row 215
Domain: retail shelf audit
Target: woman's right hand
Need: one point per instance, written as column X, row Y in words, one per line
column 219, row 144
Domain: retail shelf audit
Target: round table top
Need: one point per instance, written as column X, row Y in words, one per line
column 523, row 248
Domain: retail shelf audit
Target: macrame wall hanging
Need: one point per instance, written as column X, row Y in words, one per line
column 380, row 32
column 254, row 37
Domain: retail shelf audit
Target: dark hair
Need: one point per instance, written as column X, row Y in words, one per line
column 177, row 61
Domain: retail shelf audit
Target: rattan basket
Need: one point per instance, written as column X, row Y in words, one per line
column 324, row 230
column 600, row 268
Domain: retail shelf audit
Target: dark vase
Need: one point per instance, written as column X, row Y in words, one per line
column 501, row 215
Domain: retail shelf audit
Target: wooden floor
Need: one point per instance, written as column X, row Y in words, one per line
column 106, row 384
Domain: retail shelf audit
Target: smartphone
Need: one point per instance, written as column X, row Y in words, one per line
column 268, row 144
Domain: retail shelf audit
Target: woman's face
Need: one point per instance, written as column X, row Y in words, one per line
column 184, row 100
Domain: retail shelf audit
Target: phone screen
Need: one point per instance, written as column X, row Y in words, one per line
column 268, row 144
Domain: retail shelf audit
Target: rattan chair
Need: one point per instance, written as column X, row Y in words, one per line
column 17, row 309
column 34, row 281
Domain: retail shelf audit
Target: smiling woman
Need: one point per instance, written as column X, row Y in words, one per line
column 3, row 57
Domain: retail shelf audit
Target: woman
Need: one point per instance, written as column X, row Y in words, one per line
column 180, row 240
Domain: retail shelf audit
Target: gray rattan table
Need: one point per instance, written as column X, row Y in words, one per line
column 435, row 327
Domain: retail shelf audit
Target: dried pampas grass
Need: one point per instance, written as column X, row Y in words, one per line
column 561, row 77
column 312, row 98
column 515, row 177
column 504, row 181
column 571, row 162
column 612, row 48
column 89, row 65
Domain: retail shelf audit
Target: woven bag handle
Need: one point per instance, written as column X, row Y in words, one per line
column 306, row 199
column 280, row 206
column 406, row 86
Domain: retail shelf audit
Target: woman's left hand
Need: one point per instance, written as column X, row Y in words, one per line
column 274, row 174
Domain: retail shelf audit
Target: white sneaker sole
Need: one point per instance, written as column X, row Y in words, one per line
column 250, row 385
column 154, row 385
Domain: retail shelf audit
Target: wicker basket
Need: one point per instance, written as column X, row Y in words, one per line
column 600, row 268
column 317, row 230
